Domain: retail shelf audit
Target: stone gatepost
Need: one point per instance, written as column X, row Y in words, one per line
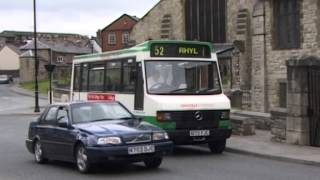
column 297, row 104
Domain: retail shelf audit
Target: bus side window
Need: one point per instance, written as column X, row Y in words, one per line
column 76, row 81
column 128, row 69
column 113, row 75
column 84, row 78
column 96, row 77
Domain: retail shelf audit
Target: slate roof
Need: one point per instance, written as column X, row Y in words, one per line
column 62, row 47
column 135, row 18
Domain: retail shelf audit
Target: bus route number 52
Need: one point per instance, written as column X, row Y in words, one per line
column 159, row 51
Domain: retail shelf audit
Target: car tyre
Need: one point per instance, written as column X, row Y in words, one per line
column 82, row 161
column 153, row 163
column 217, row 146
column 38, row 153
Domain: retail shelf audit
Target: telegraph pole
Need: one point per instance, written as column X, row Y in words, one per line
column 36, row 60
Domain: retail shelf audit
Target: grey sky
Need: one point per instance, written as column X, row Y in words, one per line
column 69, row 16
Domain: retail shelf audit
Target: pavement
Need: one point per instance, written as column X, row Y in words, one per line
column 259, row 145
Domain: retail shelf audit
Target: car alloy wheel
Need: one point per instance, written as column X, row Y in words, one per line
column 38, row 152
column 82, row 159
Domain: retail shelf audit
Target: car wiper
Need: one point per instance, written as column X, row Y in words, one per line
column 125, row 118
column 105, row 119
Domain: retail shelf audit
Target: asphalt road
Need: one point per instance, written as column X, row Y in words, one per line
column 186, row 163
column 11, row 102
column 194, row 163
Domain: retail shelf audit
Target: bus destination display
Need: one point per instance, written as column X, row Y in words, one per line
column 180, row 50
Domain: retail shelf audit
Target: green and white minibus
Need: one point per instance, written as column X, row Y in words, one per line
column 175, row 85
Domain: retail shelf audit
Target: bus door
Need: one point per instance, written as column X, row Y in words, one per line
column 139, row 93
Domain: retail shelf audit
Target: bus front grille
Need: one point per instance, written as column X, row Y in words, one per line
column 198, row 119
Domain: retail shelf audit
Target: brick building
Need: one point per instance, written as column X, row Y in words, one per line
column 116, row 35
column 266, row 33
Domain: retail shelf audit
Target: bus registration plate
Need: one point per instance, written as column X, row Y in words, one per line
column 195, row 133
column 141, row 149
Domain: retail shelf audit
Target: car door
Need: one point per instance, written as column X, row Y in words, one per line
column 64, row 135
column 45, row 131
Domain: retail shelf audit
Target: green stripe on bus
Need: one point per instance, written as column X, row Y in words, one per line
column 163, row 125
column 225, row 124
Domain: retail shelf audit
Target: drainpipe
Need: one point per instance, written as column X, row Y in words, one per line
column 266, row 91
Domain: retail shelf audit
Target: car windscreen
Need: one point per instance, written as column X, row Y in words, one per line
column 182, row 77
column 92, row 112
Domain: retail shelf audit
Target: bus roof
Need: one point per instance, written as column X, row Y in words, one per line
column 145, row 46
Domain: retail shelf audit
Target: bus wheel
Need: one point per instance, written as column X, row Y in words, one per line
column 217, row 146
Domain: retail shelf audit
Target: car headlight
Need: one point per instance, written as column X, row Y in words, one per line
column 109, row 140
column 160, row 136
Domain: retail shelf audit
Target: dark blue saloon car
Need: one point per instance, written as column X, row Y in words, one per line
column 92, row 132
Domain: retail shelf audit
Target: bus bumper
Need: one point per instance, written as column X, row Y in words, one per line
column 182, row 137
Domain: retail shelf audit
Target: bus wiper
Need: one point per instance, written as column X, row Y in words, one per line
column 177, row 90
column 213, row 90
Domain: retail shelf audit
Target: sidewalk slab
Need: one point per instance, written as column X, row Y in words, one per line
column 260, row 145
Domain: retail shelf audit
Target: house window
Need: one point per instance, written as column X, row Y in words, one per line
column 283, row 94
column 287, row 24
column 125, row 38
column 112, row 38
column 206, row 20
column 60, row 59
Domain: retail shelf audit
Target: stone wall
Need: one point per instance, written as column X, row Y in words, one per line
column 149, row 27
column 278, row 124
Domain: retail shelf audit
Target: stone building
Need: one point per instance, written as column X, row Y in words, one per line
column 266, row 33
column 59, row 53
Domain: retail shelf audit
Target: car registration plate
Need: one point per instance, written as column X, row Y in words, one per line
column 195, row 133
column 141, row 149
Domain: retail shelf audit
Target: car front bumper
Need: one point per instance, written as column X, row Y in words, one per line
column 29, row 145
column 120, row 153
column 182, row 137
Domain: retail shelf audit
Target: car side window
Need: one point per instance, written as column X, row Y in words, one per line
column 50, row 118
column 62, row 115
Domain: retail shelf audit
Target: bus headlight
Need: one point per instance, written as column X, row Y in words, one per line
column 158, row 136
column 109, row 140
column 163, row 116
column 225, row 115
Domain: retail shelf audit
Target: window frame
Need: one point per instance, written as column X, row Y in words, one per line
column 124, row 37
column 110, row 40
column 287, row 25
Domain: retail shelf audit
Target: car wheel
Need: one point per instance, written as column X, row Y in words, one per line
column 38, row 153
column 153, row 162
column 217, row 146
column 82, row 159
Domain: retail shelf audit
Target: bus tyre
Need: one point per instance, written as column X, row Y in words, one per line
column 153, row 163
column 217, row 146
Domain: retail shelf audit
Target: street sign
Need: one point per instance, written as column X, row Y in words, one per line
column 50, row 67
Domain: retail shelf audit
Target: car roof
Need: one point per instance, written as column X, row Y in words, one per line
column 81, row 102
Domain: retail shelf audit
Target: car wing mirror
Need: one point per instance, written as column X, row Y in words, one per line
column 63, row 122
